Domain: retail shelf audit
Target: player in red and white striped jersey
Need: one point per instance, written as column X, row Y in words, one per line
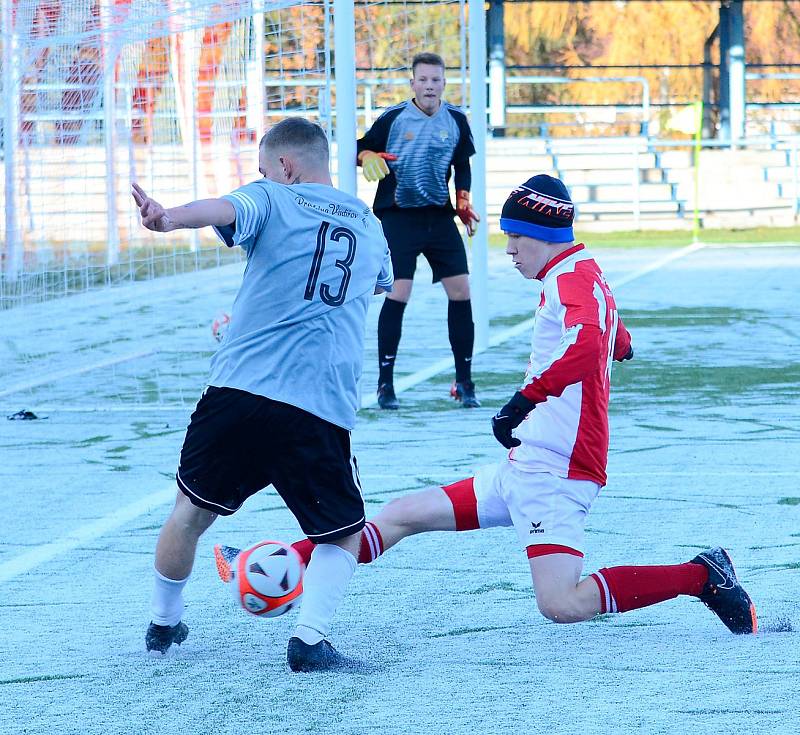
column 556, row 428
column 576, row 335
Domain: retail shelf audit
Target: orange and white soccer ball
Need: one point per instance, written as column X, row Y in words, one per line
column 267, row 579
column 220, row 326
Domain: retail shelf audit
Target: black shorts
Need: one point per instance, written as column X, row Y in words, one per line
column 427, row 231
column 238, row 443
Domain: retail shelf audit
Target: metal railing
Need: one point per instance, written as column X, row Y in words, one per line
column 368, row 110
column 644, row 117
column 636, row 147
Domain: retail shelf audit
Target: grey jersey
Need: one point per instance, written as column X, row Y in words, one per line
column 426, row 147
column 314, row 258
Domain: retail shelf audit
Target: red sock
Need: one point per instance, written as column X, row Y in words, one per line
column 371, row 545
column 629, row 588
column 304, row 547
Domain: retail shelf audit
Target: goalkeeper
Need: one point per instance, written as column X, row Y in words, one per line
column 410, row 151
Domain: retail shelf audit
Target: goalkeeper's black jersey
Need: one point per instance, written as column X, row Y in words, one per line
column 426, row 148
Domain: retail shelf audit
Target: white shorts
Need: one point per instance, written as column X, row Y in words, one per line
column 543, row 508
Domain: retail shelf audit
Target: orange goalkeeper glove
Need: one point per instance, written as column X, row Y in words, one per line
column 374, row 164
column 465, row 211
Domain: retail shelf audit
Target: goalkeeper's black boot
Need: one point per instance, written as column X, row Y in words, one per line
column 464, row 391
column 161, row 637
column 224, row 556
column 322, row 656
column 723, row 594
column 387, row 398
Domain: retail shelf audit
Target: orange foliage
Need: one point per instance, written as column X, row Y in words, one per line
column 657, row 33
column 578, row 34
column 150, row 79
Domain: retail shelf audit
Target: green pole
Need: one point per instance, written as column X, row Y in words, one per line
column 698, row 132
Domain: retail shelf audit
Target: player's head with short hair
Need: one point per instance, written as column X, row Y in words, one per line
column 427, row 81
column 294, row 147
column 429, row 58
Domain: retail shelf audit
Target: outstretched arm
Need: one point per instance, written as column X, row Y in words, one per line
column 202, row 213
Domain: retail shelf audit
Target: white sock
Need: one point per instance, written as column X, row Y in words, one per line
column 167, row 602
column 324, row 585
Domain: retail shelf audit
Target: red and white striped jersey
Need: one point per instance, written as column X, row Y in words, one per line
column 577, row 333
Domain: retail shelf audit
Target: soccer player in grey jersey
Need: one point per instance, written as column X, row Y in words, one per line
column 411, row 150
column 282, row 394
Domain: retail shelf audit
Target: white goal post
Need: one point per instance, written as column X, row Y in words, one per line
column 478, row 111
column 175, row 94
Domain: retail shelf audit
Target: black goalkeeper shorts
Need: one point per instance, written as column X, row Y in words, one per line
column 428, row 231
column 238, row 443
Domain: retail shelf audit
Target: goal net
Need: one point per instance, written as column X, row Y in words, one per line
column 172, row 94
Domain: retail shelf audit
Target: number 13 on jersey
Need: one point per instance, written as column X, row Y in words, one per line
column 326, row 292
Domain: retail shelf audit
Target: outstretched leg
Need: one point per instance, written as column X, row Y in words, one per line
column 427, row 510
column 449, row 508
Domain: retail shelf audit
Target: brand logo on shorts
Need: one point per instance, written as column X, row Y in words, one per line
column 536, row 527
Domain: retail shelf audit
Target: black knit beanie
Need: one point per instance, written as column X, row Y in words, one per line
column 540, row 208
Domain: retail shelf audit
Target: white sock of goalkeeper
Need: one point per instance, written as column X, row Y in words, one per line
column 324, row 585
column 167, row 602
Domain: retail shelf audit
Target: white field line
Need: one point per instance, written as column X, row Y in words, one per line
column 82, row 535
column 750, row 245
column 33, row 558
column 51, row 377
column 130, row 408
column 656, row 264
column 703, row 473
column 612, row 474
column 401, row 385
column 96, row 529
column 409, row 381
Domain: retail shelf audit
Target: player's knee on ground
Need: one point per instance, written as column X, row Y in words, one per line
column 562, row 609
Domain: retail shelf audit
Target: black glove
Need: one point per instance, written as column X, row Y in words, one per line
column 509, row 417
column 628, row 355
